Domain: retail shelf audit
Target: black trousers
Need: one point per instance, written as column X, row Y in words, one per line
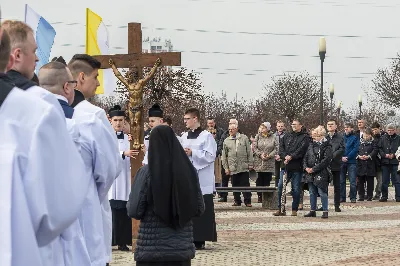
column 164, row 263
column 277, row 172
column 370, row 186
column 225, row 182
column 241, row 180
column 263, row 180
column 336, row 187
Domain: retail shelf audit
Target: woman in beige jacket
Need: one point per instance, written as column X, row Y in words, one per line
column 265, row 148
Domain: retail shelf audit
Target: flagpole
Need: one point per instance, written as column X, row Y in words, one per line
column 26, row 11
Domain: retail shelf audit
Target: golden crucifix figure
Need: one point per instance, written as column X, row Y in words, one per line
column 135, row 89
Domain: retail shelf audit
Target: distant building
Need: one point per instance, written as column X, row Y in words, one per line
column 156, row 45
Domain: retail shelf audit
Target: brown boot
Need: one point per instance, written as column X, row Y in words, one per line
column 279, row 213
column 294, row 213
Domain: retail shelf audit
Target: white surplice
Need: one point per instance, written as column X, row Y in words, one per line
column 122, row 185
column 106, row 169
column 146, row 143
column 204, row 150
column 49, row 185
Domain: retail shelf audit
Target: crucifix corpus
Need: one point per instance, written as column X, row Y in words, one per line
column 135, row 58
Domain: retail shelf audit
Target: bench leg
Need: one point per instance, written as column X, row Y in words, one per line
column 270, row 200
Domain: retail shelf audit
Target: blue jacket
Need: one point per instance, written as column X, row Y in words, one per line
column 352, row 144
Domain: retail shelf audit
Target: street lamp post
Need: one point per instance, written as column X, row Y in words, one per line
column 360, row 104
column 322, row 53
column 331, row 93
column 339, row 107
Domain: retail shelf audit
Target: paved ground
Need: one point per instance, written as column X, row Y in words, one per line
column 365, row 233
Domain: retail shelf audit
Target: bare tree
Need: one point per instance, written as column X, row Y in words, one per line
column 387, row 84
column 295, row 96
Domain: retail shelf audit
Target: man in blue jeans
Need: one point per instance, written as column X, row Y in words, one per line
column 349, row 165
column 388, row 147
column 292, row 149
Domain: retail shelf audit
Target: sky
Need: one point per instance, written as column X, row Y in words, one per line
column 261, row 39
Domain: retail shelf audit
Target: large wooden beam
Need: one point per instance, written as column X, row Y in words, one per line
column 140, row 60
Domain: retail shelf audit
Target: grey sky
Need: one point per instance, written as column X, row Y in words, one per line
column 349, row 59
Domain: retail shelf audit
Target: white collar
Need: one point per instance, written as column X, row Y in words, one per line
column 60, row 97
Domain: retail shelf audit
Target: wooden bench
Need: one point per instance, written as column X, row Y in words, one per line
column 269, row 194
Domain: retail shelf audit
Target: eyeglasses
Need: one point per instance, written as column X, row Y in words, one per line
column 73, row 82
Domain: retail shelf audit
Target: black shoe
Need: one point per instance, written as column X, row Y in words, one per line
column 123, row 248
column 383, row 200
column 343, row 200
column 337, row 209
column 311, row 214
column 369, row 199
column 361, row 199
column 320, row 209
column 223, row 200
column 398, row 200
column 324, row 215
column 353, row 201
column 200, row 247
column 237, row 204
column 376, row 197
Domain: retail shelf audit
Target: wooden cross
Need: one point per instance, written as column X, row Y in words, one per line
column 136, row 58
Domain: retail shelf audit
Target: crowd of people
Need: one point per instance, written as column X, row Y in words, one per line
column 311, row 160
column 66, row 192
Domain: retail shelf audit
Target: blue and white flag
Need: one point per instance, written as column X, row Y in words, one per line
column 44, row 34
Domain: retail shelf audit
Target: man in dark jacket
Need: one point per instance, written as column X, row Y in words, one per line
column 337, row 142
column 280, row 132
column 292, row 149
column 387, row 149
column 211, row 124
column 349, row 165
column 377, row 133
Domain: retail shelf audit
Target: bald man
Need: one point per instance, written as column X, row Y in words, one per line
column 57, row 78
column 102, row 160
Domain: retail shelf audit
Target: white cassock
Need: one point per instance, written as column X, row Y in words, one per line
column 121, row 187
column 104, row 173
column 47, row 173
column 204, row 150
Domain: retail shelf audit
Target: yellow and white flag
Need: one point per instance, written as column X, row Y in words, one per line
column 97, row 44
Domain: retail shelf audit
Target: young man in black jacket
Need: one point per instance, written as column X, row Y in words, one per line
column 377, row 134
column 292, row 149
column 387, row 149
column 337, row 142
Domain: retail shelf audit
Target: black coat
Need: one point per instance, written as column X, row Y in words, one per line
column 318, row 157
column 367, row 167
column 338, row 148
column 158, row 242
column 377, row 141
column 389, row 145
column 294, row 144
column 218, row 137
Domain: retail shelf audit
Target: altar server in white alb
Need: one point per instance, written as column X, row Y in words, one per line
column 86, row 128
column 201, row 148
column 84, row 69
column 119, row 192
column 23, row 47
column 155, row 119
column 43, row 184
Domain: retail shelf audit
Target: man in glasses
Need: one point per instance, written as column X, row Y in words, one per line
column 57, row 78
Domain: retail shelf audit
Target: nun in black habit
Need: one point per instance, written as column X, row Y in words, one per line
column 165, row 196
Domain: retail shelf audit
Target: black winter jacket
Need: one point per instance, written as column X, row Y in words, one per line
column 338, row 147
column 377, row 141
column 367, row 167
column 158, row 242
column 318, row 157
column 294, row 144
column 389, row 145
